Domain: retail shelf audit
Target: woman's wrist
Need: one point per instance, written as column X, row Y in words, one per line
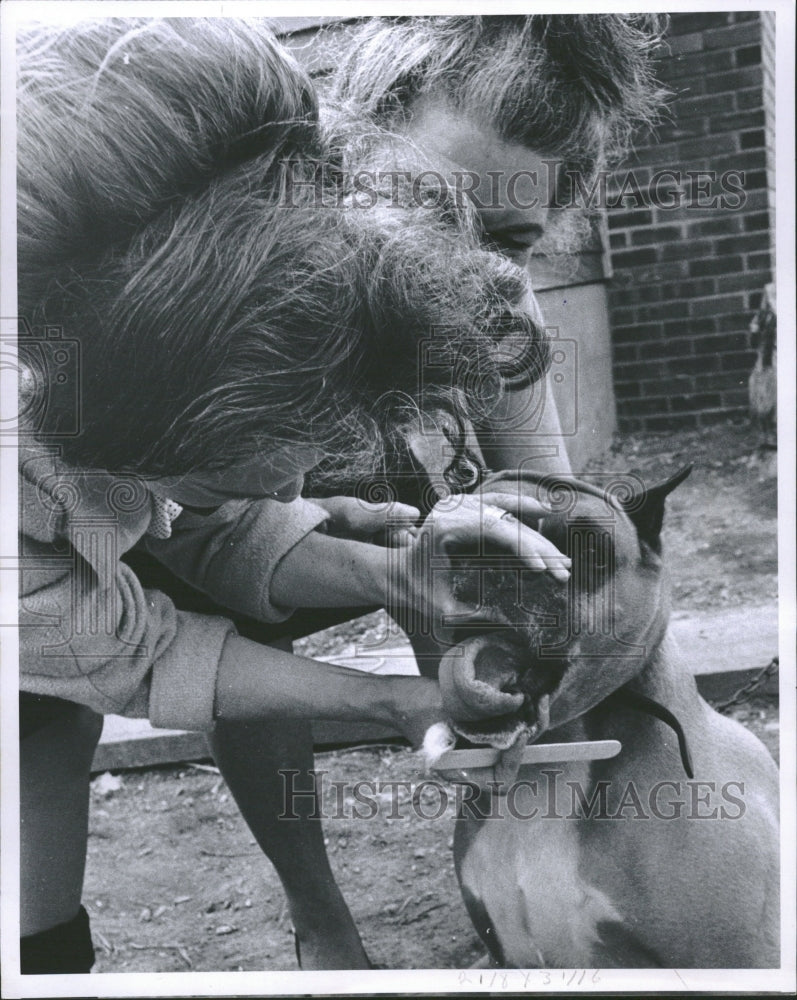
column 416, row 704
column 323, row 571
column 258, row 682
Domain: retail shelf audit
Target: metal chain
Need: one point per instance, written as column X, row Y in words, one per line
column 752, row 685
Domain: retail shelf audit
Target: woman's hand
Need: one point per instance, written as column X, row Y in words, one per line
column 378, row 523
column 412, row 568
column 467, row 525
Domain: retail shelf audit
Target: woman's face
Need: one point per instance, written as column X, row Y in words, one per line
column 278, row 476
column 508, row 183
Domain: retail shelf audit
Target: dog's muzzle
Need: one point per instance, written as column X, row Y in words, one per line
column 492, row 691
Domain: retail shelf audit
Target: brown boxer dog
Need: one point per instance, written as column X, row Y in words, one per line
column 666, row 855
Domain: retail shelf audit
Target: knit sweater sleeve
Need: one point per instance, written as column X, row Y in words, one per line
column 89, row 632
column 231, row 555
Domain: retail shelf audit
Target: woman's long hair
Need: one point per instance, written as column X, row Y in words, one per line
column 179, row 222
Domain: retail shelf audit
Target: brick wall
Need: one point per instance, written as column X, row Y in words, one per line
column 768, row 67
column 687, row 280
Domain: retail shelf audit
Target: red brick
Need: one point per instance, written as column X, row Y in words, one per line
column 626, row 352
column 738, row 79
column 721, row 224
column 683, row 420
column 712, row 381
column 675, row 334
column 669, row 386
column 750, row 55
column 685, row 250
column 759, row 220
column 738, row 361
column 683, row 24
column 668, row 271
column 747, row 243
column 750, row 159
column 740, row 282
column 644, row 314
column 639, row 369
column 722, row 343
column 714, row 265
column 697, row 401
column 630, row 390
column 634, row 258
column 679, row 347
column 635, row 334
column 734, row 35
column 632, row 294
column 619, row 219
column 752, row 181
column 655, row 405
column 685, row 43
column 711, row 417
column 694, row 64
column 736, row 397
column 658, row 350
column 748, row 99
column 655, row 234
column 701, row 325
column 735, row 322
column 689, row 289
column 724, row 304
column 755, row 200
column 694, row 128
column 692, row 365
column 725, row 144
column 724, row 122
column 752, row 140
column 689, row 106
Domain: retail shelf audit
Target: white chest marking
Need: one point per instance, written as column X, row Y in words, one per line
column 526, row 874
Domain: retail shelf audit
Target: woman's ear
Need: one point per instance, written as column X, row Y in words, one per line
column 646, row 508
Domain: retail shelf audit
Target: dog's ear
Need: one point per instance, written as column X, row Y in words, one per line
column 646, row 509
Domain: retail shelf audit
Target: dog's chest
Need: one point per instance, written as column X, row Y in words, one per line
column 524, row 874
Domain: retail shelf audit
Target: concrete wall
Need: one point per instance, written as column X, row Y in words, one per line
column 578, row 317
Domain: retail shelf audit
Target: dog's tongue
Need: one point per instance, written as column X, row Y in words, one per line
column 478, row 679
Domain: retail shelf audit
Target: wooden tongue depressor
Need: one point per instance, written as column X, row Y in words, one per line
column 535, row 753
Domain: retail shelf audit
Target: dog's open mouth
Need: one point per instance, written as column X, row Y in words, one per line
column 485, row 674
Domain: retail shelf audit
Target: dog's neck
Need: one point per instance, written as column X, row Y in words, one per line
column 665, row 690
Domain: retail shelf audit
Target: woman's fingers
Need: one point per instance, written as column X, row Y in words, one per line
column 492, row 518
column 534, row 549
column 355, row 518
column 517, row 504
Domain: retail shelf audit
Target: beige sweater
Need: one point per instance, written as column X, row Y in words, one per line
column 90, row 633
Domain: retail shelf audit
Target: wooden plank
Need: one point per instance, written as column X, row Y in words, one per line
column 174, row 748
column 149, row 751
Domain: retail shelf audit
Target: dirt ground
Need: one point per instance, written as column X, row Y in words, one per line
column 175, row 881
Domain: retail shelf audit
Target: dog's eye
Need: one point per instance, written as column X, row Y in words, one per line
column 591, row 548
